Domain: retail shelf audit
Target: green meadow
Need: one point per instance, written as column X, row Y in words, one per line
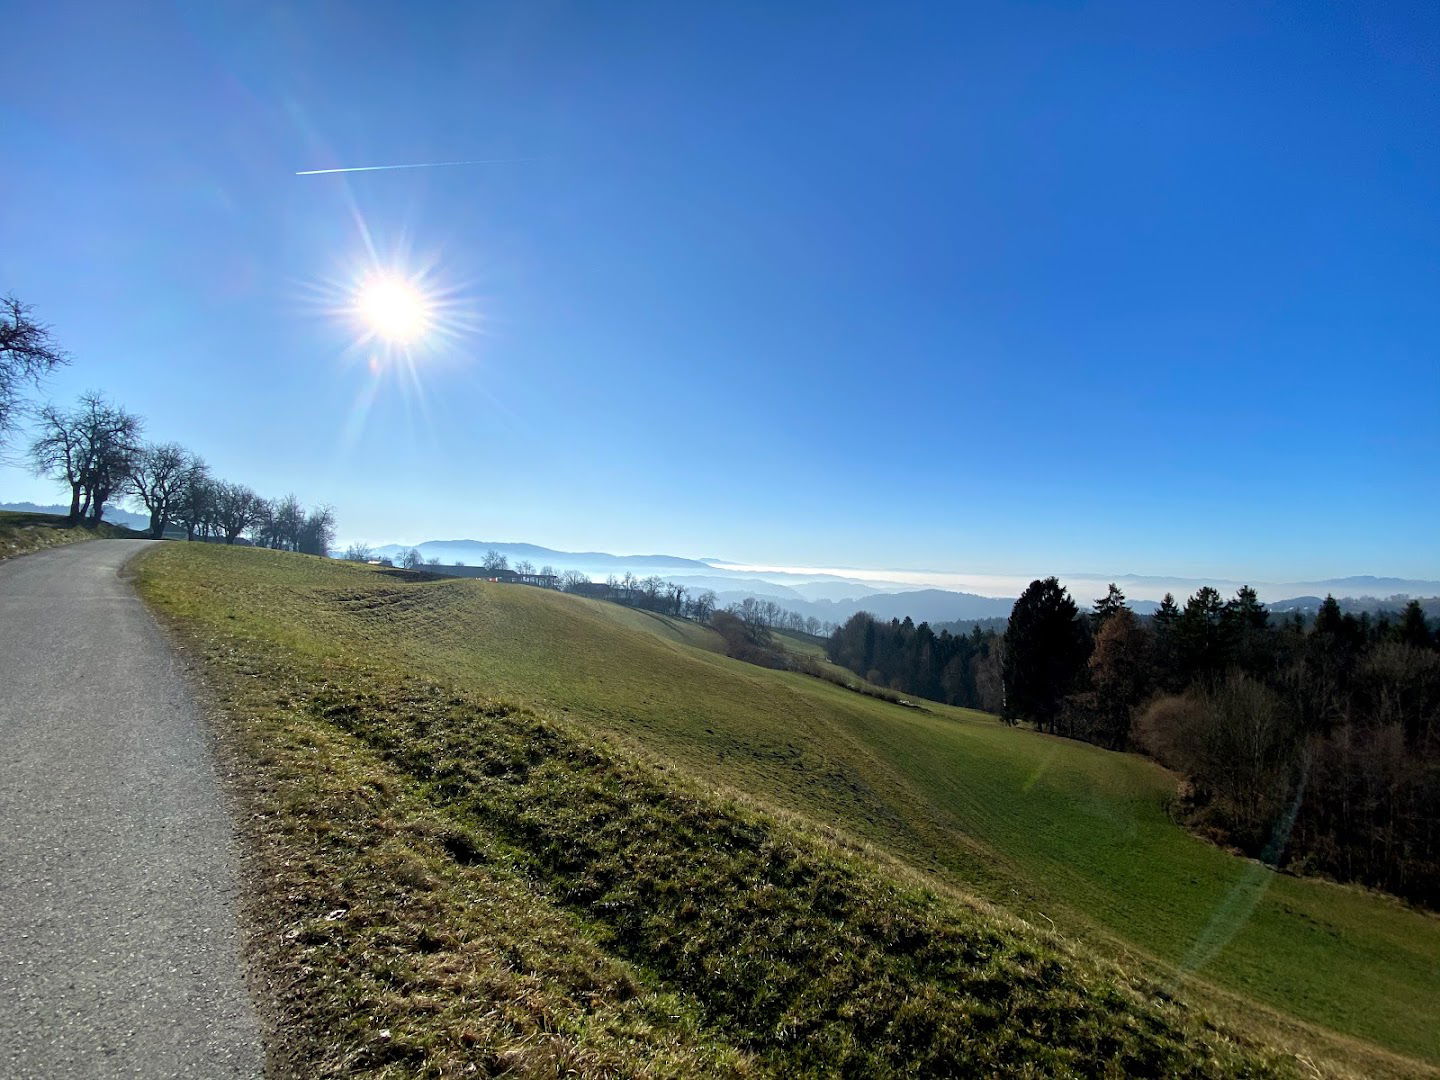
column 1061, row 845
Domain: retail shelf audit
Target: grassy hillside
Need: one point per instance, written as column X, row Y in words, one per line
column 377, row 674
column 21, row 533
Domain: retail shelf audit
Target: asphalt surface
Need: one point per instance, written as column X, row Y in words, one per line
column 119, row 952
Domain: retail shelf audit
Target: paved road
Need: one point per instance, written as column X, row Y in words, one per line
column 118, row 943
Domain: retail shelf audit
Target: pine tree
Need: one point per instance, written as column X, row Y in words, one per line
column 1045, row 646
column 1166, row 621
column 1246, row 632
column 1201, row 652
column 1109, row 604
column 1413, row 628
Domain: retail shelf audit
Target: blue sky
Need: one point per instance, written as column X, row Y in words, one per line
column 1001, row 288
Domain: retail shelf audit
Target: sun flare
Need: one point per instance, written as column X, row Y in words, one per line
column 393, row 309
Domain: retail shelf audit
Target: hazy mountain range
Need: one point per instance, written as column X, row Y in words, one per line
column 472, row 552
column 112, row 514
column 833, row 597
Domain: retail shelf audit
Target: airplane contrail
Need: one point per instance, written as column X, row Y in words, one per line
column 416, row 165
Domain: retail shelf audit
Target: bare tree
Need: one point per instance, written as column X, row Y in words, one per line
column 412, row 559
column 358, row 552
column 287, row 519
column 90, row 448
column 495, row 561
column 157, row 477
column 236, row 509
column 572, row 580
column 316, row 533
column 1119, row 673
column 525, row 566
column 262, row 522
column 27, row 353
column 194, row 507
column 702, row 605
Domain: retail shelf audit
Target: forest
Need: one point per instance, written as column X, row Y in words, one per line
column 1311, row 744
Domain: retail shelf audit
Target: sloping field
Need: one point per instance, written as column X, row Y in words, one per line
column 423, row 683
column 21, row 533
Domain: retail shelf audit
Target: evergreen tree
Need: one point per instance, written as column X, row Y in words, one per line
column 1168, row 613
column 1413, row 629
column 1166, row 622
column 1331, row 652
column 1112, row 602
column 1246, row 632
column 1200, row 637
column 1044, row 653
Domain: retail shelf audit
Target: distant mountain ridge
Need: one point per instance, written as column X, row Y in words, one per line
column 833, row 599
column 919, row 605
column 475, row 550
column 112, row 514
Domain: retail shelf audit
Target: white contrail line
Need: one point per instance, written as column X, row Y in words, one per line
column 416, row 165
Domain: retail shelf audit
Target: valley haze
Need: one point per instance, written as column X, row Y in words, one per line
column 834, row 593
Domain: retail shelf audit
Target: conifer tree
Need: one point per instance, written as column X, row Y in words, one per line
column 1112, row 602
column 1413, row 628
column 1044, row 653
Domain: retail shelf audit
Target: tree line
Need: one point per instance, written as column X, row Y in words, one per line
column 746, row 627
column 97, row 450
column 957, row 669
column 652, row 593
column 1312, row 744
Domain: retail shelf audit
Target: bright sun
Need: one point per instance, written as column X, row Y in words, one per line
column 393, row 308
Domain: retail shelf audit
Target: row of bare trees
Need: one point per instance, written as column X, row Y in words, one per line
column 97, row 450
column 652, row 593
column 756, row 613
